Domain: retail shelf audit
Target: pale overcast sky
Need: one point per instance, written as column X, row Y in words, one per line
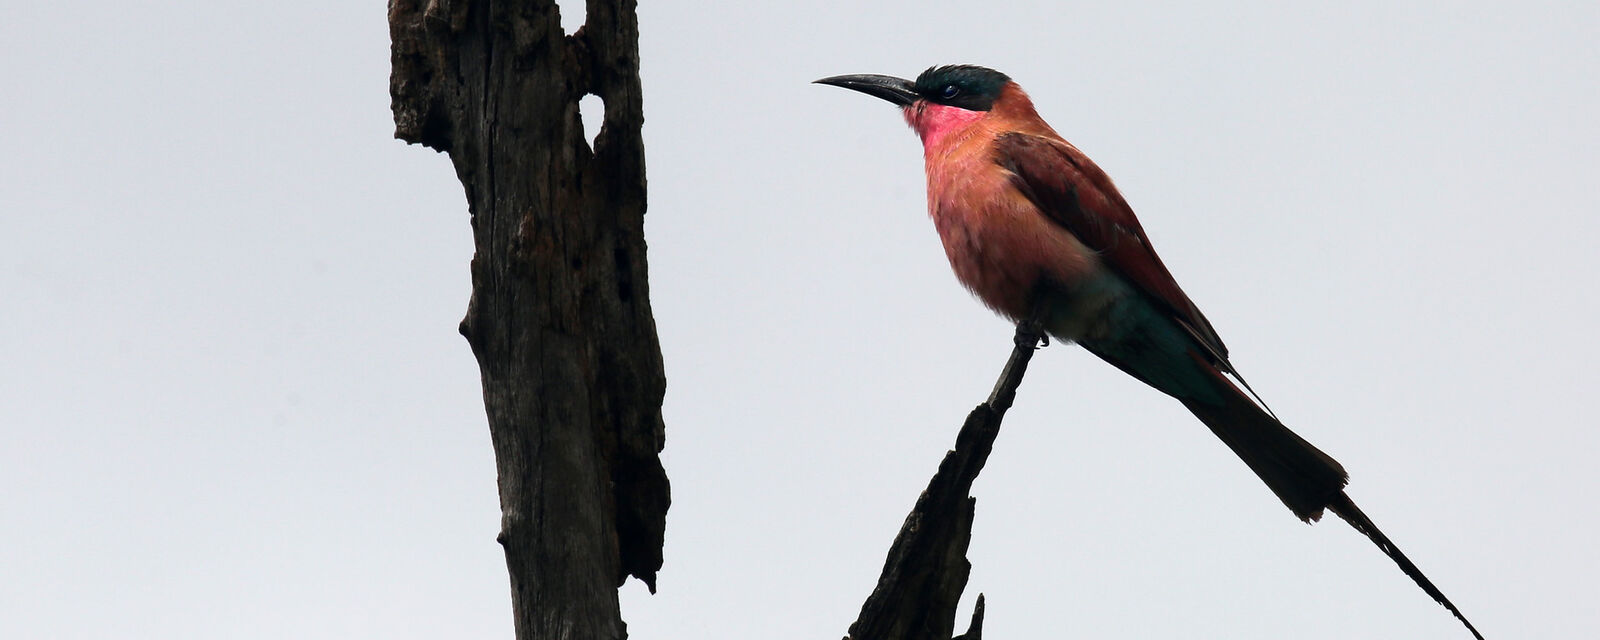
column 234, row 402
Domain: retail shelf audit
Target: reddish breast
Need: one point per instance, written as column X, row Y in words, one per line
column 998, row 243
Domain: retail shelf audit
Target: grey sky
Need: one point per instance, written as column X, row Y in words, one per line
column 235, row 405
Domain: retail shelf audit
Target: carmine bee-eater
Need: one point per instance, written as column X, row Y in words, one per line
column 1040, row 235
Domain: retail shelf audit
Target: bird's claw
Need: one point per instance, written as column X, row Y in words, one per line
column 1031, row 335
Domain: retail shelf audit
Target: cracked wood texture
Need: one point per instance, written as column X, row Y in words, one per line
column 560, row 316
column 927, row 568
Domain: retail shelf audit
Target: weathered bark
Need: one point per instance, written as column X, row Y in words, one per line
column 560, row 316
column 927, row 566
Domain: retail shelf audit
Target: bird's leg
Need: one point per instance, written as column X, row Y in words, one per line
column 1031, row 335
column 1030, row 330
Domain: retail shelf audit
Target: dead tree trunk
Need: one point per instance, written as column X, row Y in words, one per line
column 560, row 316
column 927, row 567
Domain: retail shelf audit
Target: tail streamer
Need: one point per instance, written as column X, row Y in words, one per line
column 1346, row 508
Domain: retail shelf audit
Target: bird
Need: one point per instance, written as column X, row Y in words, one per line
column 1038, row 233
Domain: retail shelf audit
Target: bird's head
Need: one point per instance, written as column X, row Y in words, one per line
column 941, row 99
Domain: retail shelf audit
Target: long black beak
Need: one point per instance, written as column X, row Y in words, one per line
column 896, row 90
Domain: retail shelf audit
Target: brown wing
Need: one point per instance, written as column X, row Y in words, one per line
column 1074, row 193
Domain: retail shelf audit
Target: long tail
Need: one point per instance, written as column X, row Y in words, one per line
column 1305, row 478
column 1352, row 514
column 1153, row 347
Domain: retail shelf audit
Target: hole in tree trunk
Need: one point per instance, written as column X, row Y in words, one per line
column 591, row 115
column 574, row 13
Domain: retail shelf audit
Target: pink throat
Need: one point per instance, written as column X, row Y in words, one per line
column 935, row 121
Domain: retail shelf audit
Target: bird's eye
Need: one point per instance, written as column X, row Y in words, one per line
column 949, row 91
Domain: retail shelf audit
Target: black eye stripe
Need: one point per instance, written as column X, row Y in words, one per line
column 961, row 86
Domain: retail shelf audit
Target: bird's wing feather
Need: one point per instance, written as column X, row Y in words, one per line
column 1074, row 193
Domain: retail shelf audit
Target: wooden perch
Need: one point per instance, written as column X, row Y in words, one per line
column 927, row 567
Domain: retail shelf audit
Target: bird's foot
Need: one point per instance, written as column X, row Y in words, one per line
column 1031, row 335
